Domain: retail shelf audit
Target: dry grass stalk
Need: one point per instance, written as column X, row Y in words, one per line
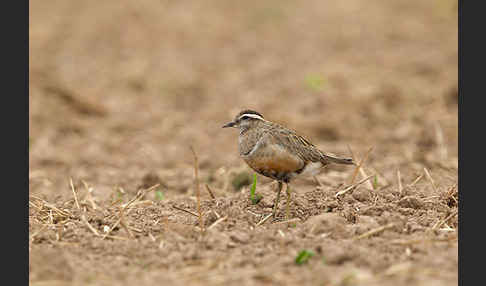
column 353, row 177
column 124, row 209
column 217, row 222
column 448, row 229
column 375, row 200
column 135, row 229
column 368, row 182
column 139, row 195
column 441, row 222
column 226, row 182
column 399, row 179
column 126, row 228
column 398, row 268
column 74, row 193
column 374, row 231
column 216, row 214
column 59, row 233
column 90, row 227
column 264, row 219
column 430, row 179
column 198, row 194
column 51, row 218
column 142, row 203
column 255, row 214
column 359, row 164
column 352, row 187
column 210, row 192
column 58, row 211
column 89, row 195
column 351, row 152
column 452, row 194
column 439, row 136
column 117, row 237
column 34, row 205
column 288, row 221
column 112, row 227
column 187, row 211
column 415, row 181
column 166, row 223
column 152, row 237
column 32, row 237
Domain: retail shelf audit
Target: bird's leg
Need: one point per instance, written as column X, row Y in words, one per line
column 275, row 205
column 318, row 181
column 287, row 210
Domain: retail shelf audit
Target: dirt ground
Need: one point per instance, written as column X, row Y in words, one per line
column 121, row 90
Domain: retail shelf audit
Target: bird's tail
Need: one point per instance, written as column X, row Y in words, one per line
column 331, row 158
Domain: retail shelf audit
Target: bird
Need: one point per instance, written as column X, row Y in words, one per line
column 278, row 152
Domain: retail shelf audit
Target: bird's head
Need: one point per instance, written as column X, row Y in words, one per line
column 245, row 119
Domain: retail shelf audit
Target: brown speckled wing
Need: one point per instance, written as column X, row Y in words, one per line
column 299, row 145
column 306, row 150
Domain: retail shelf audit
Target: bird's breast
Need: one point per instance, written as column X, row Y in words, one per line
column 273, row 158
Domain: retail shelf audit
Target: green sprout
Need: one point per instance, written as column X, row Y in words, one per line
column 159, row 195
column 255, row 198
column 119, row 193
column 315, row 82
column 303, row 256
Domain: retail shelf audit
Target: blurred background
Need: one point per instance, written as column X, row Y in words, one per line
column 120, row 90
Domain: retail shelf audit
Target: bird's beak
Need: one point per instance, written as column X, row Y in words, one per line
column 229, row 124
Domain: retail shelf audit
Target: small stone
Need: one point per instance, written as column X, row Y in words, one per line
column 240, row 237
column 332, row 223
column 362, row 194
column 410, row 202
column 333, row 204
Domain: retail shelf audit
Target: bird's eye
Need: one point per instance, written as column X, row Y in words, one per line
column 244, row 117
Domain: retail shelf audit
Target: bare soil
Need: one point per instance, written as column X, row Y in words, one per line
column 121, row 90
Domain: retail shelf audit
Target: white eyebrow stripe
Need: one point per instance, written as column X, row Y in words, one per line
column 256, row 116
